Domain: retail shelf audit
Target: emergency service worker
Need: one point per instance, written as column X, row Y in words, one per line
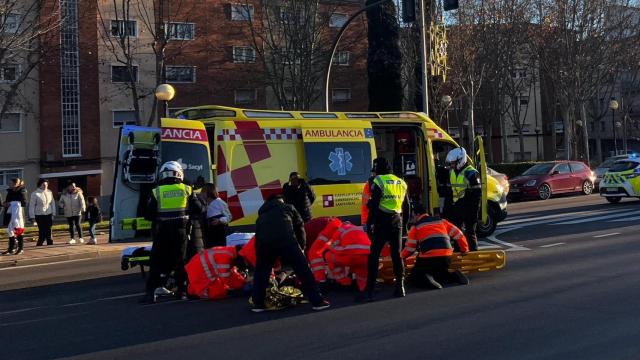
column 366, row 196
column 467, row 194
column 431, row 237
column 170, row 206
column 213, row 272
column 345, row 251
column 388, row 199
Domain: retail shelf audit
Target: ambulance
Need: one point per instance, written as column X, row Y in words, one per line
column 621, row 180
column 249, row 155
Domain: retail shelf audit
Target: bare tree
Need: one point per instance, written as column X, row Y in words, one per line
column 24, row 27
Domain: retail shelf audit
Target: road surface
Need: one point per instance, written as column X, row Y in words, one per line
column 570, row 291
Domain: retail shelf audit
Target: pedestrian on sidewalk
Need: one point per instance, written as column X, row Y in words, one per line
column 73, row 205
column 93, row 216
column 218, row 218
column 16, row 193
column 42, row 210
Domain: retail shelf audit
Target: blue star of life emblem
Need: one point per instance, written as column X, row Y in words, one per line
column 340, row 161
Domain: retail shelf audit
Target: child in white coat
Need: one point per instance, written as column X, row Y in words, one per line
column 15, row 229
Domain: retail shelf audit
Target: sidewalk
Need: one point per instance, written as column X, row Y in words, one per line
column 60, row 251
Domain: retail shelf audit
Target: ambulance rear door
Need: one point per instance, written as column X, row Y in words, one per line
column 481, row 161
column 339, row 156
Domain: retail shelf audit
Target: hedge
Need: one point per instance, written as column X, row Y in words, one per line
column 513, row 169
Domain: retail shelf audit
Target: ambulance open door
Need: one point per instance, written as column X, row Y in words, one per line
column 433, row 200
column 481, row 161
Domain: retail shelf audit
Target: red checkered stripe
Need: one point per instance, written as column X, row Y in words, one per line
column 282, row 134
column 229, row 135
column 436, row 133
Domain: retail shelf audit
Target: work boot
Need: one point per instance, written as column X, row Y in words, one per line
column 12, row 244
column 460, row 278
column 399, row 291
column 431, row 282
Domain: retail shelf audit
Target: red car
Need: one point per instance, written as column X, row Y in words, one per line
column 545, row 179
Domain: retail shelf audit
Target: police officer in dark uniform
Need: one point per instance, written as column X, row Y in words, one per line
column 170, row 206
column 388, row 202
column 467, row 194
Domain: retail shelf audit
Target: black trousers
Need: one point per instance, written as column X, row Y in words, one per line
column 291, row 255
column 465, row 213
column 74, row 222
column 435, row 266
column 216, row 235
column 168, row 254
column 388, row 227
column 44, row 229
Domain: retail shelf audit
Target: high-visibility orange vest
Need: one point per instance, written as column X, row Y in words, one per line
column 346, row 240
column 211, row 273
column 431, row 236
column 364, row 210
column 248, row 252
column 322, row 242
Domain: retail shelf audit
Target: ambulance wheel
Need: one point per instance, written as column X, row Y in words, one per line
column 544, row 192
column 587, row 187
column 486, row 229
column 614, row 199
column 124, row 266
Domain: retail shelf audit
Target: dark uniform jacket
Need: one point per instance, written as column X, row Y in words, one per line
column 19, row 194
column 301, row 198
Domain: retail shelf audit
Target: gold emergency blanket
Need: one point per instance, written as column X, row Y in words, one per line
column 282, row 297
column 473, row 262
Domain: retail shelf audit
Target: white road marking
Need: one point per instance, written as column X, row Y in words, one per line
column 552, row 245
column 558, row 217
column 484, row 245
column 45, row 264
column 510, row 246
column 21, row 310
column 74, row 304
column 597, row 218
column 632, row 218
column 605, row 235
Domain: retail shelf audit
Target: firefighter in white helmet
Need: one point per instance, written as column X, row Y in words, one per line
column 170, row 206
column 467, row 194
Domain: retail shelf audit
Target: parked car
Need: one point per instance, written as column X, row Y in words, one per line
column 606, row 165
column 546, row 179
column 503, row 179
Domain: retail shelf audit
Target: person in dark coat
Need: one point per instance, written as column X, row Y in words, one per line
column 280, row 233
column 17, row 192
column 299, row 194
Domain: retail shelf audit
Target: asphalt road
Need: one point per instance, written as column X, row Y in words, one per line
column 570, row 291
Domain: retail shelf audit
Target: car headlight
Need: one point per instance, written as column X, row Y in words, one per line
column 531, row 183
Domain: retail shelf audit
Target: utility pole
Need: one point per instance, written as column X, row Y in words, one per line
column 424, row 51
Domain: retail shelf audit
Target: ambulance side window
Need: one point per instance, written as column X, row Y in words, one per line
column 338, row 162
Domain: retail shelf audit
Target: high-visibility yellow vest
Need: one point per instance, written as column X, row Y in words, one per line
column 459, row 182
column 173, row 200
column 394, row 191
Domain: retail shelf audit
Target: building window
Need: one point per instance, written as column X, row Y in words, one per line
column 11, row 23
column 245, row 96
column 341, row 95
column 518, row 156
column 244, row 55
column 524, row 101
column 181, row 31
column 181, row 74
column 9, row 73
column 338, row 20
column 70, row 79
column 6, row 175
column 120, row 74
column 123, row 117
column 341, row 58
column 241, row 12
column 121, row 28
column 11, row 122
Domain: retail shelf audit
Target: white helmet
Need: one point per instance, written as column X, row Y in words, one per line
column 459, row 155
column 171, row 169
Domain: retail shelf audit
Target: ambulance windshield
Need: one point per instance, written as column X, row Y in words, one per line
column 193, row 157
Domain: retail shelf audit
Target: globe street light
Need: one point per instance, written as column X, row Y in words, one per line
column 447, row 100
column 165, row 93
column 613, row 105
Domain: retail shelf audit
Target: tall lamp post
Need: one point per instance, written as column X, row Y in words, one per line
column 613, row 105
column 447, row 100
column 165, row 93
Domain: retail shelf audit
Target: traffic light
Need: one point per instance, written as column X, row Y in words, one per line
column 450, row 4
column 408, row 11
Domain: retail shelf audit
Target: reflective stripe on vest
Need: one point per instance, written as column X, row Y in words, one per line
column 459, row 182
column 173, row 200
column 394, row 190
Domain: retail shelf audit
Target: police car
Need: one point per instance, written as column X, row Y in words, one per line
column 621, row 180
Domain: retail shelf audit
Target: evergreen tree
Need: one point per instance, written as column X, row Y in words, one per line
column 384, row 58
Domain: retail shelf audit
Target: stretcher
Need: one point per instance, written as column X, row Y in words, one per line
column 136, row 256
column 472, row 262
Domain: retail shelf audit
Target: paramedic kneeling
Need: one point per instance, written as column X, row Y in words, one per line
column 169, row 208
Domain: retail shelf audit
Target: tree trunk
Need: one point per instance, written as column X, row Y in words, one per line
column 521, row 140
column 568, row 134
column 585, row 133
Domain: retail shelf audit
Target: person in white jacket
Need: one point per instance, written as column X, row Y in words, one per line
column 73, row 205
column 15, row 228
column 42, row 210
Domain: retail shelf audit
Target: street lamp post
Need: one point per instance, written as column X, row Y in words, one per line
column 624, row 134
column 538, row 130
column 165, row 93
column 447, row 100
column 613, row 105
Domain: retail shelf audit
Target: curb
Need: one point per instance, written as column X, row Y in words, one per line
column 59, row 258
